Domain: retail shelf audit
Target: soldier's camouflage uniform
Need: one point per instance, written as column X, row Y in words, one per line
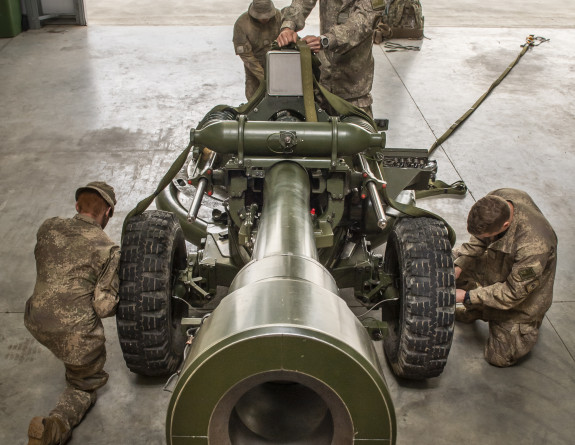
column 511, row 279
column 347, row 65
column 76, row 285
column 252, row 40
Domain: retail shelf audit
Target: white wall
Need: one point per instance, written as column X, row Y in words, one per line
column 58, row 6
column 54, row 6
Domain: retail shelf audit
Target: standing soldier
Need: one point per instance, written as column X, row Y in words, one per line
column 505, row 272
column 344, row 47
column 76, row 285
column 254, row 32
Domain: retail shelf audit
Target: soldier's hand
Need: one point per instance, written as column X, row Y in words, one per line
column 459, row 295
column 313, row 42
column 287, row 36
column 457, row 272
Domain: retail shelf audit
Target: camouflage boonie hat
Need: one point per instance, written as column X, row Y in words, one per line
column 106, row 191
column 262, row 9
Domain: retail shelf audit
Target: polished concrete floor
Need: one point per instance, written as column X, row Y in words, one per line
column 116, row 103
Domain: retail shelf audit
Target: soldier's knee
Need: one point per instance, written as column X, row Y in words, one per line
column 498, row 359
column 508, row 342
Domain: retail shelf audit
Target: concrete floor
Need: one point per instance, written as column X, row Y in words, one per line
column 116, row 102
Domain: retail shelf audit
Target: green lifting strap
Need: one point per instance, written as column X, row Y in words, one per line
column 417, row 212
column 245, row 108
column 181, row 159
column 529, row 42
column 171, row 174
column 307, row 80
column 344, row 108
column 459, row 187
column 341, row 106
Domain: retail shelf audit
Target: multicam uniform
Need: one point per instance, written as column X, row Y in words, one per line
column 252, row 40
column 510, row 279
column 347, row 64
column 77, row 284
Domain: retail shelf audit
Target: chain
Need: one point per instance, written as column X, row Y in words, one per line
column 404, row 162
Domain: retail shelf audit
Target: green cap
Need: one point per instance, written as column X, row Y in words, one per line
column 262, row 9
column 104, row 190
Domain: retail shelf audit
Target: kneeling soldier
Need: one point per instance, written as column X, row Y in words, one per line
column 76, row 285
column 505, row 272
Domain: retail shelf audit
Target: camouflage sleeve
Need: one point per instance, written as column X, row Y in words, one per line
column 467, row 252
column 252, row 65
column 525, row 277
column 106, row 292
column 355, row 26
column 294, row 15
column 243, row 49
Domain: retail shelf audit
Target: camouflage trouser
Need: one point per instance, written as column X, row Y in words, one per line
column 508, row 340
column 71, row 408
column 252, row 84
column 84, row 356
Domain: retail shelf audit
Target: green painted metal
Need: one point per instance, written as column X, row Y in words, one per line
column 10, row 18
column 298, row 207
column 282, row 329
column 298, row 138
column 285, row 227
column 168, row 200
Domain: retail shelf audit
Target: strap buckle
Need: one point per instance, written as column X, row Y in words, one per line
column 532, row 40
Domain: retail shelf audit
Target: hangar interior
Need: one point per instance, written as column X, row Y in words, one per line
column 114, row 101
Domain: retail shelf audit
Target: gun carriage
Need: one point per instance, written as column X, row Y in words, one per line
column 287, row 206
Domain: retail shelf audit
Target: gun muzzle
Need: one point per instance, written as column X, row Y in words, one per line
column 282, row 359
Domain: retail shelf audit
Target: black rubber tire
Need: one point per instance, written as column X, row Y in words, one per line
column 148, row 318
column 418, row 254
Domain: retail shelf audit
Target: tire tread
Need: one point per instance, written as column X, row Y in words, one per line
column 425, row 333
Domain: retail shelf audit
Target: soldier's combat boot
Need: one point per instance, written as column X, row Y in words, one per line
column 46, row 431
column 467, row 315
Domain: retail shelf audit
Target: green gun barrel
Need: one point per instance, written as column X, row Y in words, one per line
column 282, row 359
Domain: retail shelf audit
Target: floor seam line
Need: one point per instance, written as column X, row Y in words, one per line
column 426, row 122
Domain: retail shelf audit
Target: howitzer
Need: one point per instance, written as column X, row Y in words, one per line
column 286, row 205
